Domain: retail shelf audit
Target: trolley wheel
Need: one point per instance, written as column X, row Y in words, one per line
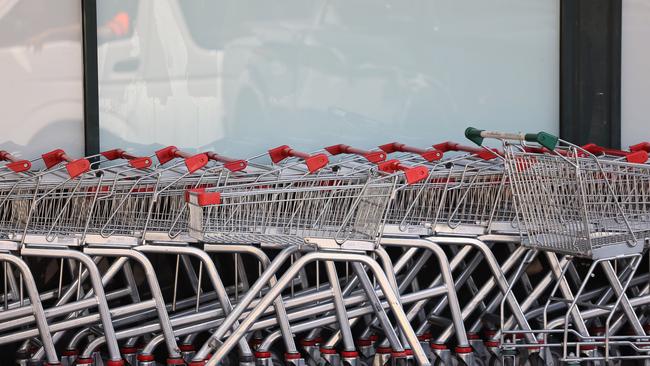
column 455, row 361
column 495, row 361
column 277, row 360
column 614, row 352
column 534, row 360
column 364, row 362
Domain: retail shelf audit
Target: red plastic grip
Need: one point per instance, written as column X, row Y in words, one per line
column 374, row 157
column 145, row 357
column 175, row 361
column 363, row 342
column 428, row 155
column 279, row 153
column 116, row 154
column 170, row 153
column 196, row 162
column 19, row 166
column 438, row 346
column 638, row 155
column 645, row 146
column 70, row 352
column 313, row 162
column 412, row 174
column 83, row 361
column 55, row 157
column 140, row 163
column 134, row 161
column 77, row 167
column 166, row 154
column 6, row 156
column 15, row 164
column 204, row 198
column 292, row 356
column 484, row 154
column 384, row 350
column 349, row 354
column 234, row 165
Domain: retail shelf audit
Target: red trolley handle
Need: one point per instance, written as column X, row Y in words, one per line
column 234, row 165
column 74, row 167
column 314, row 162
column 484, row 154
column 428, row 155
column 374, row 157
column 412, row 174
column 134, row 161
column 638, row 156
column 645, row 146
column 192, row 162
column 15, row 164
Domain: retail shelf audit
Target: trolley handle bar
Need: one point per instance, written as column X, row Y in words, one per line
column 15, row 164
column 374, row 157
column 134, row 161
column 192, row 162
column 234, row 165
column 428, row 155
column 74, row 167
column 639, row 156
column 484, row 154
column 643, row 146
column 413, row 174
column 314, row 162
column 543, row 138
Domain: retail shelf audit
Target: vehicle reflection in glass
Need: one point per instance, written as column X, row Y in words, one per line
column 41, row 73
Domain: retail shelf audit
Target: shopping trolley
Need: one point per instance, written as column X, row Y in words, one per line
column 580, row 206
column 334, row 213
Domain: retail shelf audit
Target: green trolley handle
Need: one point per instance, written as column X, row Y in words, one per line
column 543, row 138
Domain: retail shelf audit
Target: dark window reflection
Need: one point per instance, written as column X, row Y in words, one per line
column 116, row 19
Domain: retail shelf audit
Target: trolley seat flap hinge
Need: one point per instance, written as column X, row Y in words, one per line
column 19, row 166
column 53, row 158
column 196, row 162
column 77, row 167
column 412, row 174
column 166, row 154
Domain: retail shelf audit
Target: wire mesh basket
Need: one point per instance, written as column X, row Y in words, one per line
column 580, row 205
column 287, row 211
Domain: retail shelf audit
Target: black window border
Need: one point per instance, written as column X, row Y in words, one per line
column 91, row 76
column 590, row 72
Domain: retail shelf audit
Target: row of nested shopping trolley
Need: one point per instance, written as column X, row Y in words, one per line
column 526, row 254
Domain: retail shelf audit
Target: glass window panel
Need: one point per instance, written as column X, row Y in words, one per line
column 240, row 76
column 635, row 76
column 42, row 77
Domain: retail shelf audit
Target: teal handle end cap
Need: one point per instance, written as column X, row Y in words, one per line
column 474, row 135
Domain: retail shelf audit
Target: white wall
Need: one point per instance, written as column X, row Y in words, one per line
column 41, row 88
column 635, row 72
column 240, row 76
